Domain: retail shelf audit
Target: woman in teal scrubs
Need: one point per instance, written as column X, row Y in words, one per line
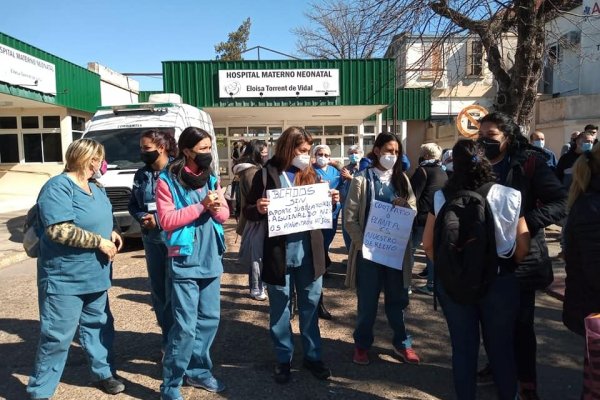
column 73, row 271
column 191, row 210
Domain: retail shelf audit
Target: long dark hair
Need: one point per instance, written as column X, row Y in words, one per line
column 162, row 139
column 252, row 152
column 399, row 180
column 512, row 131
column 285, row 151
column 187, row 140
column 471, row 168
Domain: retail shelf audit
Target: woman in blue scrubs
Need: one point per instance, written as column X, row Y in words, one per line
column 73, row 271
column 157, row 148
column 191, row 210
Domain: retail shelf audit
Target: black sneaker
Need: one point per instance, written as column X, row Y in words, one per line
column 112, row 385
column 317, row 368
column 282, row 373
column 485, row 377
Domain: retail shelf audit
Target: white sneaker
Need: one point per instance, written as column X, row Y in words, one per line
column 260, row 296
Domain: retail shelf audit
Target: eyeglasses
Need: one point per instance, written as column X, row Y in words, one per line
column 322, row 155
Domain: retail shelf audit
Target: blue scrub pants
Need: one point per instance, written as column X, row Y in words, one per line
column 196, row 310
column 308, row 293
column 497, row 315
column 160, row 285
column 59, row 317
column 371, row 278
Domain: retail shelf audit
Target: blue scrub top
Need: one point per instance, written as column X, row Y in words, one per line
column 72, row 270
column 205, row 261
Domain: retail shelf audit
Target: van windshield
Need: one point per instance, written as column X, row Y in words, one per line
column 122, row 146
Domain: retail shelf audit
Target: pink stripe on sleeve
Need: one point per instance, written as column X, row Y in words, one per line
column 171, row 218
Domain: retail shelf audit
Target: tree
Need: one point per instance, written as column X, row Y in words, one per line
column 340, row 31
column 517, row 80
column 235, row 45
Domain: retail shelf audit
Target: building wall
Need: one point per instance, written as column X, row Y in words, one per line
column 115, row 88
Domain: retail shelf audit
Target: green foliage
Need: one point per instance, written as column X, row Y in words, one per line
column 235, row 45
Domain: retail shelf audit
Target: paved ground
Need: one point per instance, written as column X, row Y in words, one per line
column 243, row 353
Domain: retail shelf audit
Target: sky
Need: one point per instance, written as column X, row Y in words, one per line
column 136, row 35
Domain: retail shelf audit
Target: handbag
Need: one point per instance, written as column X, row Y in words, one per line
column 253, row 236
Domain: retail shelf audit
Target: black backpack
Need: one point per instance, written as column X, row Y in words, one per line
column 465, row 256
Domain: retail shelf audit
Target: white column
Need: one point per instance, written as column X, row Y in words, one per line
column 378, row 122
column 66, row 133
column 403, row 131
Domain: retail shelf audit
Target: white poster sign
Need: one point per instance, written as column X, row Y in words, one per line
column 279, row 83
column 387, row 233
column 21, row 69
column 299, row 209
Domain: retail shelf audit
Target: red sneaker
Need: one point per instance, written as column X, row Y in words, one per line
column 361, row 356
column 407, row 355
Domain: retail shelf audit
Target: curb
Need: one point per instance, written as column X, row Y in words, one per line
column 7, row 260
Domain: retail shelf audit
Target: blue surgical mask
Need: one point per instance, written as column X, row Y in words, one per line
column 539, row 143
column 354, row 158
column 587, row 146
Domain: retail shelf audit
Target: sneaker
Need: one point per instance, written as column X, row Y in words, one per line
column 282, row 373
column 485, row 377
column 361, row 356
column 407, row 355
column 259, row 296
column 111, row 385
column 424, row 273
column 317, row 368
column 425, row 289
column 210, row 384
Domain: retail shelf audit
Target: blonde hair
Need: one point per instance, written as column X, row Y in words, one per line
column 80, row 155
column 431, row 151
column 587, row 164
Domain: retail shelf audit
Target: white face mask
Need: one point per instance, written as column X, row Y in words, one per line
column 387, row 161
column 301, row 161
column 322, row 161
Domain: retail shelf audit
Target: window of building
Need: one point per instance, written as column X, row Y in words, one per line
column 237, row 131
column 42, row 147
column 51, row 121
column 334, row 130
column 8, row 122
column 431, row 62
column 9, row 148
column 32, row 122
column 351, row 130
column 474, row 58
column 314, row 130
column 257, row 131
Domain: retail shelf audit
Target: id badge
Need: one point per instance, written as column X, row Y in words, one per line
column 151, row 206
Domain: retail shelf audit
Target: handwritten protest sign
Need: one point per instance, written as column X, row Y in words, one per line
column 387, row 234
column 299, row 209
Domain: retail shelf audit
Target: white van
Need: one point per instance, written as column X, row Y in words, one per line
column 119, row 129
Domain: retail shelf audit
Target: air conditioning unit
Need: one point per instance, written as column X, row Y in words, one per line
column 573, row 38
column 442, row 83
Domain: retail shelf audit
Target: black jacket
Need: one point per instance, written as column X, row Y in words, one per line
column 582, row 253
column 425, row 181
column 544, row 203
column 274, row 257
column 566, row 161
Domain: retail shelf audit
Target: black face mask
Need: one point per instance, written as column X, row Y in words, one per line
column 491, row 146
column 149, row 157
column 203, row 160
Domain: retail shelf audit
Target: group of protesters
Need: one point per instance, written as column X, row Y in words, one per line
column 181, row 208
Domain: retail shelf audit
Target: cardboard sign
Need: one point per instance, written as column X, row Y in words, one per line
column 387, row 234
column 299, row 209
